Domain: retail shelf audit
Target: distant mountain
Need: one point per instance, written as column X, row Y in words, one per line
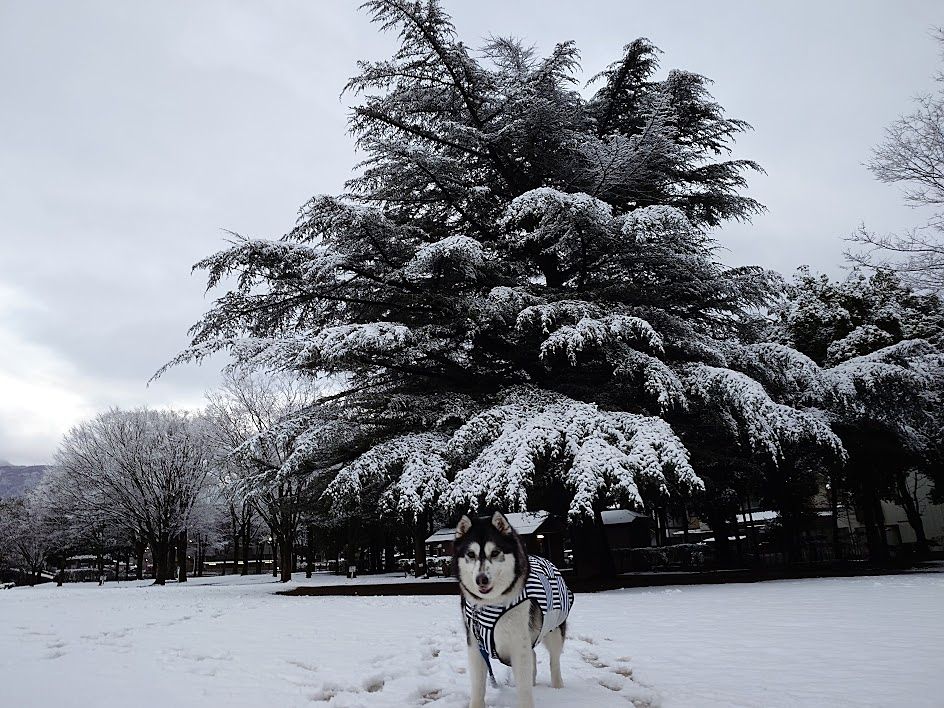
column 17, row 480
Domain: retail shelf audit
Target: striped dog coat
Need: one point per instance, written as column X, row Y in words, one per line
column 544, row 585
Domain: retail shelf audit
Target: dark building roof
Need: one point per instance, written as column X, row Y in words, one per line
column 525, row 524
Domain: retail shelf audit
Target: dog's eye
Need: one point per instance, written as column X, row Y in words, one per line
column 470, row 555
column 496, row 553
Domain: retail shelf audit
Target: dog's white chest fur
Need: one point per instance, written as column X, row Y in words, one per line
column 510, row 628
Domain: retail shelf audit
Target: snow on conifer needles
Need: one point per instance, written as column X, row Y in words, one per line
column 409, row 471
column 767, row 427
column 533, row 436
column 520, row 291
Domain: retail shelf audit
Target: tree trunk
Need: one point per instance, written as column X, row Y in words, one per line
column 246, row 536
column 171, row 563
column 834, row 506
column 376, row 555
column 744, row 523
column 419, row 545
column 390, row 563
column 182, row 557
column 874, row 527
column 737, row 539
column 719, row 527
column 235, row 528
column 159, row 554
column 592, row 557
column 286, row 552
column 663, row 516
column 789, row 535
column 139, row 547
column 310, row 550
column 283, row 548
column 912, row 512
column 755, row 541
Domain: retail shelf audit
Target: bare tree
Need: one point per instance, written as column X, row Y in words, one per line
column 247, row 413
column 82, row 521
column 144, row 468
column 6, row 536
column 237, row 521
column 912, row 155
column 28, row 535
column 203, row 527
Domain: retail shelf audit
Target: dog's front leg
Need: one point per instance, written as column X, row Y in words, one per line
column 523, row 667
column 477, row 671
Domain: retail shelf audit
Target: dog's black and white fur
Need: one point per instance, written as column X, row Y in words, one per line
column 492, row 567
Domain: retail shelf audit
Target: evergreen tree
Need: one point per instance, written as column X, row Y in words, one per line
column 834, row 321
column 882, row 383
column 518, row 295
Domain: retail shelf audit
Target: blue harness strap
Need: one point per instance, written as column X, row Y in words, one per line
column 488, row 665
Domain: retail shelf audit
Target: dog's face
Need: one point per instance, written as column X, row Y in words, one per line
column 488, row 556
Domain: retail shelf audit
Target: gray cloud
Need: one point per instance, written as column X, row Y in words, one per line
column 132, row 134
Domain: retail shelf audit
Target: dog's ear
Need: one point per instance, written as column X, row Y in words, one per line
column 462, row 528
column 501, row 523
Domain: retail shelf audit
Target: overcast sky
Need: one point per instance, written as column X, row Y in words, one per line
column 132, row 133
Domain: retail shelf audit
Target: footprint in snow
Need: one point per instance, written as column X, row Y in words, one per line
column 614, row 683
column 618, row 682
column 616, row 675
column 373, row 684
column 381, row 660
column 326, row 692
column 34, row 633
column 302, row 665
column 55, row 649
column 592, row 659
column 430, row 696
column 330, row 690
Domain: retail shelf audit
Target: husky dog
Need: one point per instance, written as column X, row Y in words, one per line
column 510, row 602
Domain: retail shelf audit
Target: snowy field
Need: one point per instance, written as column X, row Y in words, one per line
column 875, row 641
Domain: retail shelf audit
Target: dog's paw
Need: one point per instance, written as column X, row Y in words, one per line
column 477, row 704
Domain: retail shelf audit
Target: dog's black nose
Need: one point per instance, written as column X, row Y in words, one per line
column 481, row 580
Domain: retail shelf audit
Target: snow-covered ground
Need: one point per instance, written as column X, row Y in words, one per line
column 873, row 641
